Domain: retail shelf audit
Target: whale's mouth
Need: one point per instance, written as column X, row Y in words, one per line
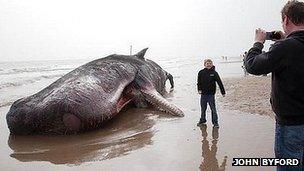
column 159, row 102
column 144, row 95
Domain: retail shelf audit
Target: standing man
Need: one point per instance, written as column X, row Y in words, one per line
column 285, row 60
column 243, row 66
column 206, row 87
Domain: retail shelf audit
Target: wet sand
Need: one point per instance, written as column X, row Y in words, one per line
column 145, row 139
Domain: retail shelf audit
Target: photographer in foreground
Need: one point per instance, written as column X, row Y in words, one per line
column 285, row 60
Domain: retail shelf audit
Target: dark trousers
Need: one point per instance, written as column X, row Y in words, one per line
column 211, row 101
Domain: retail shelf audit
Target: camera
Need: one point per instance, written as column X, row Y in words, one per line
column 273, row 35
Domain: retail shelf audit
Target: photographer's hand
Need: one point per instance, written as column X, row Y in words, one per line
column 260, row 35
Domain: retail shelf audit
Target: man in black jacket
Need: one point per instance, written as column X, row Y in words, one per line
column 206, row 87
column 285, row 60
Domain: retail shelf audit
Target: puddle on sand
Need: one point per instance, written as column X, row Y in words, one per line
column 239, row 135
column 209, row 160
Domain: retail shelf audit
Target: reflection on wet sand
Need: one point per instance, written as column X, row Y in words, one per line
column 129, row 131
column 210, row 161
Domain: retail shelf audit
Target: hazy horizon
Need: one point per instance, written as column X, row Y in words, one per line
column 55, row 30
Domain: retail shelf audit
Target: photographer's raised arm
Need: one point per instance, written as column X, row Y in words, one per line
column 258, row 63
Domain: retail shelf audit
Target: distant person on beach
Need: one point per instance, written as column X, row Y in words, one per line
column 243, row 66
column 285, row 60
column 206, row 88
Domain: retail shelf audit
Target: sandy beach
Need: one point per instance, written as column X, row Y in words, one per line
column 248, row 94
column 146, row 139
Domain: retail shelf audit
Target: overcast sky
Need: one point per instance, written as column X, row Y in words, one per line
column 67, row 29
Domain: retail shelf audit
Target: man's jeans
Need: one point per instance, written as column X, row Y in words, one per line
column 289, row 143
column 211, row 101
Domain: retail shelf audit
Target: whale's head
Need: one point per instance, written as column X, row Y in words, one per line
column 18, row 119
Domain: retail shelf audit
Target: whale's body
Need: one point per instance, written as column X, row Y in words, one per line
column 87, row 97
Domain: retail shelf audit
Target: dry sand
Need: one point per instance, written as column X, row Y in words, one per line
column 249, row 94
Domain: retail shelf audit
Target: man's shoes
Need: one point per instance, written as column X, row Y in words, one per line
column 216, row 126
column 201, row 123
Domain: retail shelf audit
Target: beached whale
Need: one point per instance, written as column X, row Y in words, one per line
column 87, row 97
